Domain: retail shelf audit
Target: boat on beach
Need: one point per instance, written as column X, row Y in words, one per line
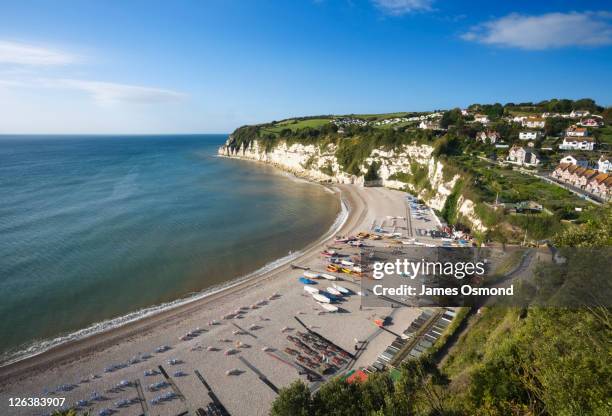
column 328, row 307
column 341, row 289
column 311, row 275
column 311, row 289
column 307, row 281
column 320, row 298
column 328, row 276
column 333, row 291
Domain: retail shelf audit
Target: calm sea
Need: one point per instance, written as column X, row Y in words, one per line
column 93, row 228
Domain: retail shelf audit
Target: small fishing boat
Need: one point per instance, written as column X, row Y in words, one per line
column 333, row 291
column 328, row 276
column 320, row 298
column 307, row 281
column 345, row 270
column 234, row 372
column 347, row 263
column 332, row 268
column 328, row 307
column 341, row 289
column 310, row 289
column 311, row 275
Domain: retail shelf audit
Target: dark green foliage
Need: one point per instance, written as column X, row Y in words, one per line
column 556, row 106
column 555, row 125
column 449, row 211
column 607, row 115
column 415, row 392
column 327, row 169
column 448, row 145
column 451, row 117
column 294, row 400
column 372, row 173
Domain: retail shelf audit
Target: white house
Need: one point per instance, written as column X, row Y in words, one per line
column 521, row 156
column 604, row 164
column 571, row 160
column 529, row 135
column 579, row 113
column 577, row 143
column 534, row 122
column 481, row 118
column 573, row 131
column 488, row 136
column 429, row 125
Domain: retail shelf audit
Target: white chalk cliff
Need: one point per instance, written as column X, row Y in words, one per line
column 320, row 164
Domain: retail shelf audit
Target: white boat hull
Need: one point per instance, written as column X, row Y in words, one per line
column 329, row 308
column 310, row 289
column 320, row 298
column 333, row 291
column 328, row 276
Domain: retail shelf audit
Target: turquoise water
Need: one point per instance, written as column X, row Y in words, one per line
column 92, row 228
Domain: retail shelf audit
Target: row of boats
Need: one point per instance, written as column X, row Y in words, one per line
column 325, row 296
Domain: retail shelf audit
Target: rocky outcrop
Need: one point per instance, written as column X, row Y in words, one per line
column 320, row 164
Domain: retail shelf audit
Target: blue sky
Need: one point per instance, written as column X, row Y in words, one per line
column 210, row 66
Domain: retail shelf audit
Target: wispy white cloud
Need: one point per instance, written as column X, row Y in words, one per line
column 552, row 30
column 110, row 92
column 100, row 91
column 32, row 55
column 401, row 7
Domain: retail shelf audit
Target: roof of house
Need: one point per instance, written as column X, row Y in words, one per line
column 563, row 166
column 601, row 177
column 590, row 173
column 577, row 139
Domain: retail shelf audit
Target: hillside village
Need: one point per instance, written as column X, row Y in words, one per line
column 554, row 154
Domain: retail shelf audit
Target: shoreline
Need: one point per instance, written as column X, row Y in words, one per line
column 72, row 350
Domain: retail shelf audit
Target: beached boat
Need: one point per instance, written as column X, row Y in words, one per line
column 328, row 307
column 307, row 281
column 320, row 298
column 311, row 289
column 332, row 268
column 341, row 289
column 345, row 270
column 311, row 275
column 347, row 263
column 333, row 291
column 234, row 372
column 328, row 276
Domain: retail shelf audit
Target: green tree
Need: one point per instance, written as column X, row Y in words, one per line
column 294, row 400
column 372, row 173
